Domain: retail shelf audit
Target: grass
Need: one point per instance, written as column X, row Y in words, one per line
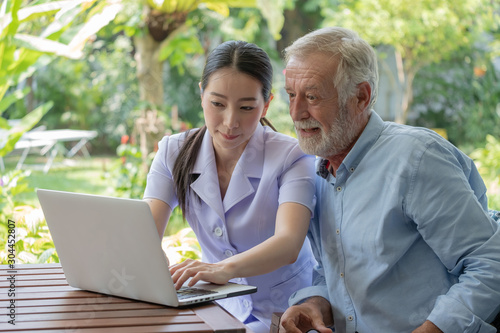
column 84, row 175
column 92, row 175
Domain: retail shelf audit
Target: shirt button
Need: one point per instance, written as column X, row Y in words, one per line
column 341, row 275
column 228, row 253
column 350, row 318
column 339, row 188
column 351, row 169
column 337, row 231
column 246, row 303
column 218, row 232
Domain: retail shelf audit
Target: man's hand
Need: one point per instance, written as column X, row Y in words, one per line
column 311, row 314
column 427, row 327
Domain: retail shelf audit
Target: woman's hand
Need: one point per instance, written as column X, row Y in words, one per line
column 197, row 270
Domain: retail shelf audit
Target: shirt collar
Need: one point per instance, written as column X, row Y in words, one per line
column 368, row 137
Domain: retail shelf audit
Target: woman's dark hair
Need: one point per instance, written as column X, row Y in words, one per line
column 244, row 57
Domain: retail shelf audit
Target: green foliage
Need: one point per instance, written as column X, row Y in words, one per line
column 33, row 241
column 99, row 93
column 182, row 44
column 481, row 112
column 12, row 184
column 487, row 160
column 14, row 133
column 181, row 246
column 129, row 171
column 462, row 96
column 423, row 31
column 33, row 32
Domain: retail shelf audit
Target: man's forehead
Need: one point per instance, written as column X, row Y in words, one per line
column 307, row 77
column 318, row 65
column 312, row 59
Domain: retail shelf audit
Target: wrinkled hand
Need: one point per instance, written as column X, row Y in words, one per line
column 301, row 318
column 197, row 270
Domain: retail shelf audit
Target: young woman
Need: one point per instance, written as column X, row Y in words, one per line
column 246, row 190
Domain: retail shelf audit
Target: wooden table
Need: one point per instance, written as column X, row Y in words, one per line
column 44, row 302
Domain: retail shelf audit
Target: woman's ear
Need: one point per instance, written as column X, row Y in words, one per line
column 266, row 106
column 201, row 93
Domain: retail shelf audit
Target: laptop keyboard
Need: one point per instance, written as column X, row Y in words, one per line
column 186, row 292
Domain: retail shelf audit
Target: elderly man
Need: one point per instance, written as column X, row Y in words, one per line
column 401, row 229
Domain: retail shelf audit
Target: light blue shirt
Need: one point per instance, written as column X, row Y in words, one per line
column 402, row 235
column 272, row 170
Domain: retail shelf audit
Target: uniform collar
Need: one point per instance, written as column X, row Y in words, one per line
column 250, row 165
column 250, row 162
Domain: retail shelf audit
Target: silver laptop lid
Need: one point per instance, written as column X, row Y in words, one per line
column 108, row 245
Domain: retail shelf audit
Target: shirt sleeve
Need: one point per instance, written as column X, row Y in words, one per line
column 297, row 180
column 318, row 287
column 160, row 184
column 454, row 224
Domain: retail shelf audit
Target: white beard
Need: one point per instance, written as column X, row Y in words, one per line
column 340, row 136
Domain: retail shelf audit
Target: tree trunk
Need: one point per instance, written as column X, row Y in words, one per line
column 297, row 24
column 407, row 97
column 149, row 70
column 148, row 128
column 405, row 77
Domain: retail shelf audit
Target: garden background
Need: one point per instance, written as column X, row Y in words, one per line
column 129, row 69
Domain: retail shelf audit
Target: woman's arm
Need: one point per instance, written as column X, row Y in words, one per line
column 161, row 213
column 292, row 222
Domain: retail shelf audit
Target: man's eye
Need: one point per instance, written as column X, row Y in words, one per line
column 311, row 97
column 291, row 95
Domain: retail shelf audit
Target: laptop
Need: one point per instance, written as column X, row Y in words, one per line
column 111, row 246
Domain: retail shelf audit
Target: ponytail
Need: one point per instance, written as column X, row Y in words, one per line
column 184, row 164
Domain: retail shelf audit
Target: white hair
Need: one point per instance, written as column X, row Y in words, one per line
column 357, row 61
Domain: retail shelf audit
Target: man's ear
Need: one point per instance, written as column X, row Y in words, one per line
column 266, row 106
column 363, row 95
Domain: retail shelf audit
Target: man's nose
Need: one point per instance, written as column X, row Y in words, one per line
column 299, row 109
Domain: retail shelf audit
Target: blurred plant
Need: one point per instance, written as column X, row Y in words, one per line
column 181, row 246
column 24, row 46
column 33, row 241
column 99, row 92
column 461, row 95
column 487, row 160
column 128, row 173
column 481, row 112
column 12, row 183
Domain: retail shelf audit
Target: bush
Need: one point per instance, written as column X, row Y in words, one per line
column 33, row 243
column 487, row 160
